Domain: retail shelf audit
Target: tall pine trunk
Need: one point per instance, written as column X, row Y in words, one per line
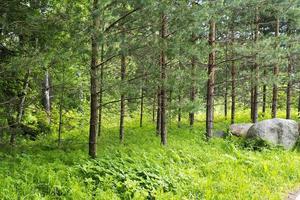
column 192, row 90
column 153, row 108
column 47, row 100
column 158, row 113
column 142, row 107
column 163, row 129
column 122, row 105
column 264, row 103
column 289, row 91
column 211, row 81
column 289, row 86
column 226, row 84
column 93, row 83
column 256, row 75
column 299, row 104
column 179, row 111
column 101, row 91
column 61, row 100
column 233, row 78
column 275, row 72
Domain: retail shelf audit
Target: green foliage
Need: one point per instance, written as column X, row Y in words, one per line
column 188, row 168
column 126, row 177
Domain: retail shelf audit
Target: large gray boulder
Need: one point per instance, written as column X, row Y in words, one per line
column 276, row 131
column 239, row 130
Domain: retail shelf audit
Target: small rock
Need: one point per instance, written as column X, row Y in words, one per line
column 219, row 134
column 240, row 130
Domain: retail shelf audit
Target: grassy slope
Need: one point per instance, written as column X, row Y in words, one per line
column 188, row 168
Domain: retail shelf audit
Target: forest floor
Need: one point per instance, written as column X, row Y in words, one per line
column 188, row 168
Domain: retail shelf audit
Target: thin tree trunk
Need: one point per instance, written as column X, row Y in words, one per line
column 93, row 80
column 264, row 96
column 226, row 85
column 211, row 81
column 256, row 68
column 289, row 91
column 163, row 129
column 142, row 107
column 192, row 90
column 251, row 95
column 289, row 86
column 47, row 100
column 233, row 79
column 299, row 105
column 153, row 108
column 61, row 109
column 122, row 110
column 169, row 107
column 21, row 107
column 101, row 91
column 158, row 123
column 275, row 72
column 179, row 111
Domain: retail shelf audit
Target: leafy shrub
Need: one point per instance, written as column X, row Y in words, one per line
column 127, row 178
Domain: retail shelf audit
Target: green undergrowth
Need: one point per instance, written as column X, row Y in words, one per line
column 187, row 168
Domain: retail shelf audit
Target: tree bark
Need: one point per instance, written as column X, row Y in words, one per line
column 264, row 103
column 255, row 84
column 299, row 104
column 289, row 91
column 101, row 91
column 47, row 100
column 158, row 123
column 275, row 72
column 142, row 106
column 192, row 90
column 233, row 79
column 163, row 130
column 122, row 109
column 93, row 83
column 179, row 112
column 154, row 108
column 61, row 109
column 211, row 81
column 226, row 85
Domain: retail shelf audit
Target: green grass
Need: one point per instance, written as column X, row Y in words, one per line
column 188, row 168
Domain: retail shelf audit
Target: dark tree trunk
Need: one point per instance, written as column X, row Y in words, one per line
column 61, row 109
column 275, row 72
column 163, row 129
column 142, row 107
column 211, row 81
column 251, row 95
column 101, row 91
column 93, row 82
column 169, row 113
column 289, row 86
column 299, row 105
column 264, row 103
column 122, row 110
column 289, row 91
column 179, row 111
column 192, row 90
column 154, row 108
column 255, row 84
column 226, row 85
column 233, row 80
column 20, row 109
column 158, row 113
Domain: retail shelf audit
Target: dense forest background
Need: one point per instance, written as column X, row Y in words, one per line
column 105, row 72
